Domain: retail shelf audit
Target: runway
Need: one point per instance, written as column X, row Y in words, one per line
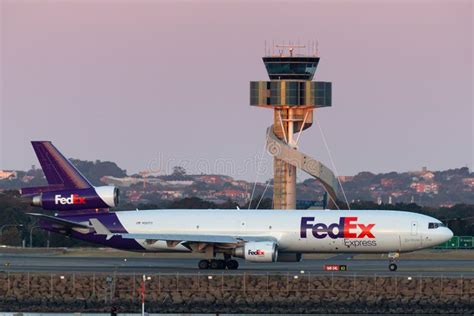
column 64, row 264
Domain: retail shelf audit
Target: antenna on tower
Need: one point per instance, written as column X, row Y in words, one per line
column 291, row 47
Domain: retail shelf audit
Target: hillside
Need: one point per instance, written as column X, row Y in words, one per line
column 429, row 188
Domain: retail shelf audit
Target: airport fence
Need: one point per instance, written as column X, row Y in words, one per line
column 119, row 286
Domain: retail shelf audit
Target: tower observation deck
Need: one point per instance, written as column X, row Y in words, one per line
column 293, row 96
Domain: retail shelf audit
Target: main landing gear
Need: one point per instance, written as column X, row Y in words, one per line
column 216, row 264
column 392, row 257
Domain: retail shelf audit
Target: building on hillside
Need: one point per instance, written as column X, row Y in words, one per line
column 207, row 195
column 134, row 196
column 179, row 183
column 27, row 178
column 419, row 187
column 468, row 181
column 428, row 176
column 419, row 172
column 8, row 174
column 214, row 178
column 120, row 182
column 447, row 204
column 374, row 187
column 346, row 178
column 241, row 183
column 387, row 182
column 171, row 194
column 233, row 194
column 128, row 181
column 397, row 193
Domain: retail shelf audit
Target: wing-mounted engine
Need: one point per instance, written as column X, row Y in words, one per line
column 77, row 199
column 258, row 251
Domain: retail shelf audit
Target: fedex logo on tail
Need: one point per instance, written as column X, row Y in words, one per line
column 346, row 228
column 72, row 199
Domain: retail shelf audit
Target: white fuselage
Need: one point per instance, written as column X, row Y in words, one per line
column 308, row 231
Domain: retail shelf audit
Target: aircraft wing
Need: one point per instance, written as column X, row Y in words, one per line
column 194, row 238
column 220, row 239
column 174, row 239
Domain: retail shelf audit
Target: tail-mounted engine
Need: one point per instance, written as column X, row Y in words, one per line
column 78, row 199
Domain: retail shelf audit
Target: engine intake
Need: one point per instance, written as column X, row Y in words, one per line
column 258, row 251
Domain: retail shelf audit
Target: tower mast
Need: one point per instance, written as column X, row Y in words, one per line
column 293, row 96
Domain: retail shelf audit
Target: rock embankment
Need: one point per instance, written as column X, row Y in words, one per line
column 224, row 293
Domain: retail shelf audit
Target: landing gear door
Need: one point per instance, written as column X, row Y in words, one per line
column 414, row 228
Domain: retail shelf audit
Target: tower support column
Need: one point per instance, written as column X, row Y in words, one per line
column 284, row 181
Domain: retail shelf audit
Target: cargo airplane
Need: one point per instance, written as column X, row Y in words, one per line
column 82, row 212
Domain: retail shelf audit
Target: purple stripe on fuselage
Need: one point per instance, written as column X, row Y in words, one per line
column 109, row 220
column 116, row 242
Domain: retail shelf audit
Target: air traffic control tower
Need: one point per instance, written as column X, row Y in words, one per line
column 293, row 97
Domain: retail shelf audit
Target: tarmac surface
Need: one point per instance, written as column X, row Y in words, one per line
column 63, row 264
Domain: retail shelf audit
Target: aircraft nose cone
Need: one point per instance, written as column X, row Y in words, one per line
column 449, row 234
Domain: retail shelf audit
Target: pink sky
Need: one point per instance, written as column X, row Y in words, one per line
column 142, row 82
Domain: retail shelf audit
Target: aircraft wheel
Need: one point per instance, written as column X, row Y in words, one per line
column 216, row 264
column 392, row 267
column 232, row 264
column 203, row 264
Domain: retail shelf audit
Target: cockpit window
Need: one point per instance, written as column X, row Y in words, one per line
column 435, row 225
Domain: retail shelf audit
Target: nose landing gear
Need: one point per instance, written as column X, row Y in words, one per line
column 393, row 257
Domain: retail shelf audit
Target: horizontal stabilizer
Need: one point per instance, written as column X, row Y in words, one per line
column 58, row 220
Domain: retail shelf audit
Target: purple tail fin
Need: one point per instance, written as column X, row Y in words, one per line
column 58, row 170
column 68, row 191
